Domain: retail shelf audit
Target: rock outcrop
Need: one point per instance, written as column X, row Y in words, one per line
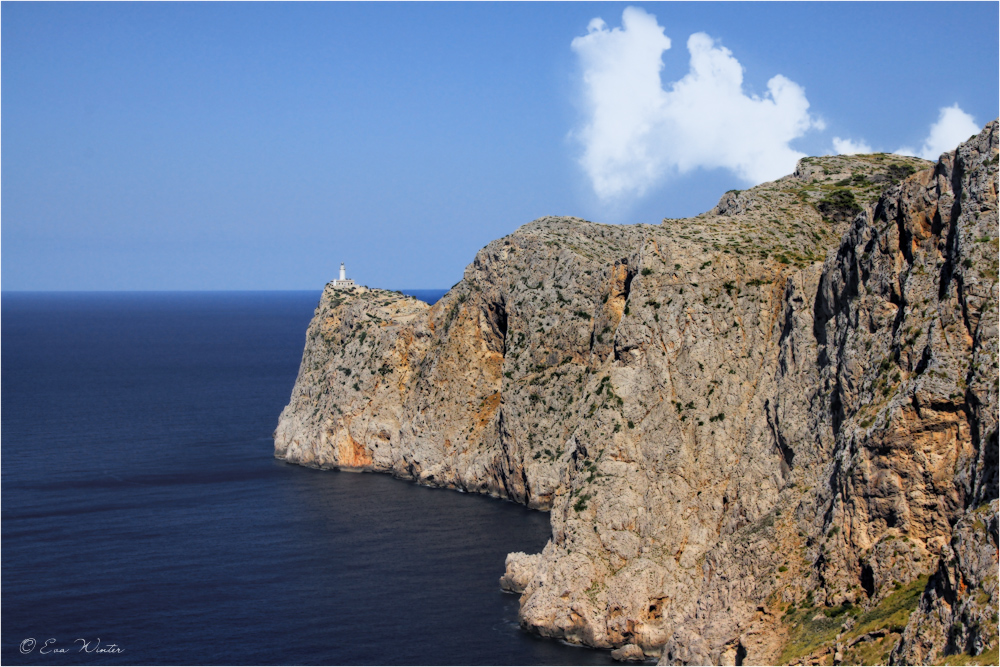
column 767, row 433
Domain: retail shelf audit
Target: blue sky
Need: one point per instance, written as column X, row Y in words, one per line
column 170, row 146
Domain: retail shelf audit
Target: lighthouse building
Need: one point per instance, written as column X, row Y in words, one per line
column 344, row 282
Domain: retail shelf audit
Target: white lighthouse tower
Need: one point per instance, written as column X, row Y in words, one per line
column 344, row 282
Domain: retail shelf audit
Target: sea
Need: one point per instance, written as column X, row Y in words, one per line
column 146, row 521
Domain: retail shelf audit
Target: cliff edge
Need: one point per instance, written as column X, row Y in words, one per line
column 765, row 434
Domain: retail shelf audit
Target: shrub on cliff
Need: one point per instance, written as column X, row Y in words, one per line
column 839, row 205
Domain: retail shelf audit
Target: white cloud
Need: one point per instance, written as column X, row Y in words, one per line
column 637, row 132
column 952, row 128
column 850, row 147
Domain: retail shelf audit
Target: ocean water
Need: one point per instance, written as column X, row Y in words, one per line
column 142, row 506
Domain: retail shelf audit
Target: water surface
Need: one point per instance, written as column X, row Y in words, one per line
column 141, row 504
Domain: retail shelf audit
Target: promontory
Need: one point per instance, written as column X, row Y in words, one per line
column 765, row 434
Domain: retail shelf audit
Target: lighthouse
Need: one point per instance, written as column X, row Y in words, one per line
column 344, row 282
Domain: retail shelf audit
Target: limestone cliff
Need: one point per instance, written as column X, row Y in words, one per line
column 767, row 433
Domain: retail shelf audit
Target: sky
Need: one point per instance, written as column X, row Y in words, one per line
column 255, row 146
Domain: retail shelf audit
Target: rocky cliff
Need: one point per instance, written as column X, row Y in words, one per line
column 765, row 434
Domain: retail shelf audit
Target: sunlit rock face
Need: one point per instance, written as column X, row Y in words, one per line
column 782, row 409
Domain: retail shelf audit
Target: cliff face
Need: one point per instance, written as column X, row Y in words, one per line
column 764, row 433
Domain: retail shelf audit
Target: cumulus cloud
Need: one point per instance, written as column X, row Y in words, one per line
column 952, row 128
column 637, row 132
column 850, row 147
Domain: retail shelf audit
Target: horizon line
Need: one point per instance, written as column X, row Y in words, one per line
column 133, row 291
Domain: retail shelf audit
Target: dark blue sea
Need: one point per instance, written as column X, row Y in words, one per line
column 142, row 506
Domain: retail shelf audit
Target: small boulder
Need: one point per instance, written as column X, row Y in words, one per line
column 628, row 653
column 520, row 568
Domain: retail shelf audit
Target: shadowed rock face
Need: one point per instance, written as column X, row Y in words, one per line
column 790, row 399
